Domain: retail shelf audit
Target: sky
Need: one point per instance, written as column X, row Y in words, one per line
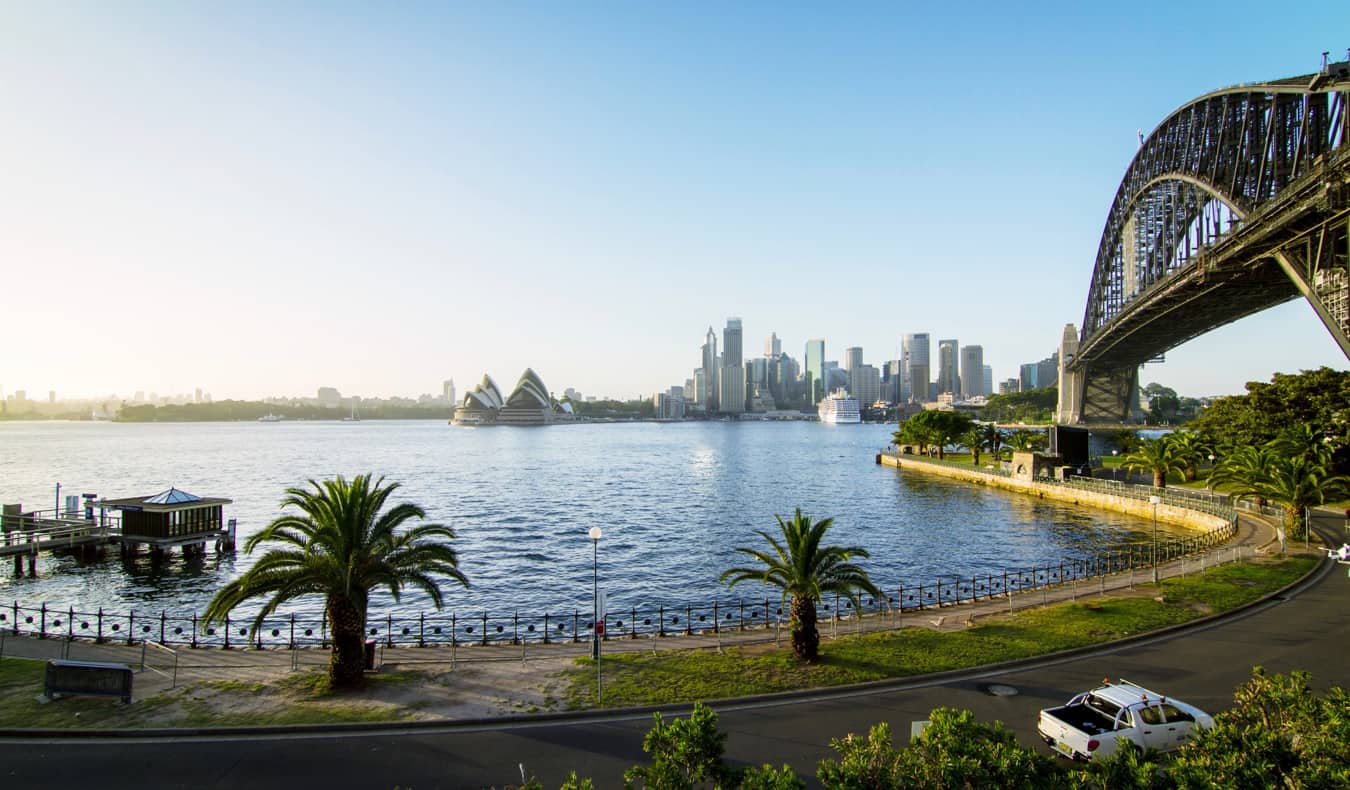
column 261, row 199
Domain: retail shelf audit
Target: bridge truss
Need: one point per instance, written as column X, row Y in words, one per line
column 1237, row 202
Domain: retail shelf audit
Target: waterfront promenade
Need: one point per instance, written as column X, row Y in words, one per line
column 1305, row 627
column 498, row 679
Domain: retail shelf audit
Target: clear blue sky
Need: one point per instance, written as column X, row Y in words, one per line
column 259, row 198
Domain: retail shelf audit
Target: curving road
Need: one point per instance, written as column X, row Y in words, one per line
column 1308, row 628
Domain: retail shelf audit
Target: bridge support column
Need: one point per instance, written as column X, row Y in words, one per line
column 1070, row 410
column 1111, row 396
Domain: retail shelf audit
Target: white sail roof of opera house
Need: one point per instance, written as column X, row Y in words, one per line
column 484, row 396
column 530, row 392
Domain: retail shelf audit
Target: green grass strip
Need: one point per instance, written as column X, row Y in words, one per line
column 689, row 676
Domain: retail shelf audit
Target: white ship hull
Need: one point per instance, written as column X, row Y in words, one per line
column 836, row 410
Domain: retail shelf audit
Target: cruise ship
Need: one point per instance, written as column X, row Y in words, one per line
column 839, row 409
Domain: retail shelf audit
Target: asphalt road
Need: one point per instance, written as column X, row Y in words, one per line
column 1308, row 629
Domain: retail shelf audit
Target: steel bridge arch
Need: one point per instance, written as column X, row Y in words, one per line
column 1236, row 202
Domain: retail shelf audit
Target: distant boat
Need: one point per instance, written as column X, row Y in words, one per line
column 839, row 409
column 270, row 417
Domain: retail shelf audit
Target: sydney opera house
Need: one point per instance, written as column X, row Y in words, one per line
column 528, row 404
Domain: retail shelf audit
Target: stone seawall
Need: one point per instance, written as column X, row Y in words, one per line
column 1135, row 507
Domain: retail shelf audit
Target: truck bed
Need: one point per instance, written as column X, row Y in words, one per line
column 1084, row 717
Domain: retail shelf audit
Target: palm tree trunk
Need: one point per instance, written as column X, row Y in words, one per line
column 805, row 637
column 976, row 454
column 1159, row 479
column 346, row 665
column 1293, row 522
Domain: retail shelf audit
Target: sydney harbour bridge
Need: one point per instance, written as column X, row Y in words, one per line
column 1237, row 202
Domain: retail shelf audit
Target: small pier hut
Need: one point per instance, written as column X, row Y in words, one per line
column 172, row 518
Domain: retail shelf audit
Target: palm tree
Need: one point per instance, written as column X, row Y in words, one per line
column 980, row 436
column 1191, row 449
column 805, row 570
column 341, row 546
column 1156, row 456
column 1024, row 440
column 1295, row 482
column 973, row 440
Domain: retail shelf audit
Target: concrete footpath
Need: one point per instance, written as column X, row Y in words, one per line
column 159, row 670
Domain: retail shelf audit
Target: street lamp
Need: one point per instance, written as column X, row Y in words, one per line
column 1115, row 469
column 594, row 534
column 1154, row 500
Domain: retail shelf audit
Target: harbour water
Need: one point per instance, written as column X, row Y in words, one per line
column 674, row 501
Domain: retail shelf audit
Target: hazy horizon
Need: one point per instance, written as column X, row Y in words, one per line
column 258, row 200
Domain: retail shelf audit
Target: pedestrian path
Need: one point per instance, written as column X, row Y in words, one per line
column 159, row 668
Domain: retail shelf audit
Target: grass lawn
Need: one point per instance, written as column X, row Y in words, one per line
column 297, row 699
column 688, row 676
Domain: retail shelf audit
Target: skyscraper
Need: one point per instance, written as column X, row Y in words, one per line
column 732, row 400
column 773, row 346
column 914, row 367
column 448, row 390
column 852, row 357
column 710, row 377
column 815, row 370
column 949, row 376
column 972, row 372
column 864, row 383
column 731, row 343
column 988, row 380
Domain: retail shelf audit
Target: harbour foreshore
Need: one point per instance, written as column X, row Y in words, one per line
column 1134, row 506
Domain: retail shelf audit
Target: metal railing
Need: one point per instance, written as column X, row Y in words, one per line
column 455, row 629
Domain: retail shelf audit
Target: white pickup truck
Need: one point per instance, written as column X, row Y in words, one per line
column 1096, row 723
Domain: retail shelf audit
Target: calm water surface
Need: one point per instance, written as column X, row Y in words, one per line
column 674, row 500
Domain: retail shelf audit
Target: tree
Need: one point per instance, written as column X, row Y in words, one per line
column 1031, row 406
column 978, row 437
column 685, row 753
column 1163, row 404
column 1277, row 734
column 954, row 750
column 1191, row 449
column 1126, row 440
column 1157, row 456
column 933, row 427
column 1027, row 441
column 804, row 570
column 1293, row 477
column 1318, row 398
column 341, row 546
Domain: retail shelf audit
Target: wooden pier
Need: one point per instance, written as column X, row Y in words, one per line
column 171, row 519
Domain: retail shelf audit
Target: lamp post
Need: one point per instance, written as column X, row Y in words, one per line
column 1115, row 470
column 594, row 534
column 1154, row 500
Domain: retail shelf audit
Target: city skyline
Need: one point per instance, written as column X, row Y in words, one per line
column 258, row 201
